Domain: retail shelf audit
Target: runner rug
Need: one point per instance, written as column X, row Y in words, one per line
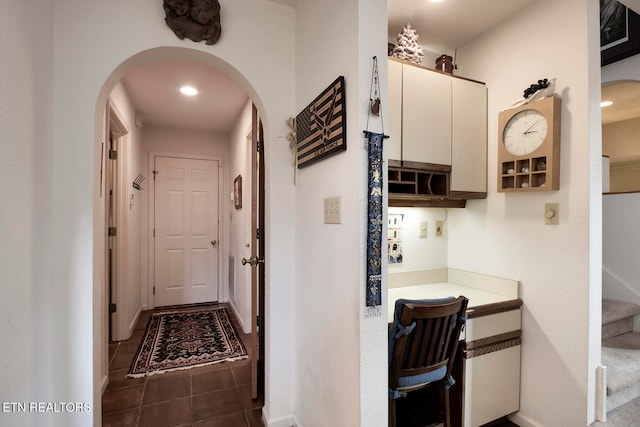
column 186, row 339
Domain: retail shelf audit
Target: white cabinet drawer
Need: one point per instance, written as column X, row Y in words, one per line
column 492, row 324
column 491, row 386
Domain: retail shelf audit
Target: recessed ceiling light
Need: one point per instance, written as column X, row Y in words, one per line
column 605, row 103
column 189, row 90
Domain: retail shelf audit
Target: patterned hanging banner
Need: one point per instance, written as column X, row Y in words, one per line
column 374, row 224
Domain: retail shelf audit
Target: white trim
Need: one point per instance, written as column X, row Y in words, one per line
column 104, row 383
column 124, row 126
column 152, row 185
column 286, row 421
column 601, row 393
column 232, row 304
column 118, row 125
column 134, row 321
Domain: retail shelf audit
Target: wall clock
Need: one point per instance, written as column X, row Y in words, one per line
column 529, row 146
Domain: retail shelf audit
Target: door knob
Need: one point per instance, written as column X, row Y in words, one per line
column 214, row 243
column 253, row 261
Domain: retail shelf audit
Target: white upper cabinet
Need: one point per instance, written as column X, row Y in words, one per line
column 439, row 119
column 426, row 116
column 469, row 136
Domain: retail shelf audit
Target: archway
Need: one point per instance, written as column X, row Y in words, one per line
column 152, row 56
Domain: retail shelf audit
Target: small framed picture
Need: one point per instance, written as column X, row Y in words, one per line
column 237, row 192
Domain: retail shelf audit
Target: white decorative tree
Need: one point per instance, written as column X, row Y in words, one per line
column 407, row 47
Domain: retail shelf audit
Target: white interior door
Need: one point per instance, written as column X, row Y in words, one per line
column 186, row 231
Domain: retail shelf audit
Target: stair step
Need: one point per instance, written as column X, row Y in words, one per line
column 619, row 327
column 621, row 355
column 613, row 310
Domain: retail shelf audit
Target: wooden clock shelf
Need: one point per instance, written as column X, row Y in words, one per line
column 529, row 146
column 524, row 175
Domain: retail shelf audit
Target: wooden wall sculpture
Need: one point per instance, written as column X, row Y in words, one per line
column 197, row 20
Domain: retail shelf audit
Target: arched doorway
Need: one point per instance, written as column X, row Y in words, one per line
column 164, row 133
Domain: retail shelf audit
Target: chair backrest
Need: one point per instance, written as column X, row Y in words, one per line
column 424, row 338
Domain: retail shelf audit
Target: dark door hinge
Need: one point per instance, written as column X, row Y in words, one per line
column 259, row 146
column 258, row 234
column 113, row 155
column 154, row 290
column 112, row 231
column 112, row 308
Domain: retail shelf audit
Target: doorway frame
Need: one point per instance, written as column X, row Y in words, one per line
column 118, row 128
column 150, row 296
column 282, row 272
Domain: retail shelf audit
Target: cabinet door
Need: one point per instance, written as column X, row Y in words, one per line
column 426, row 116
column 394, row 95
column 491, row 386
column 469, row 137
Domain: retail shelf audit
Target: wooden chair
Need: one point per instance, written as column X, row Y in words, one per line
column 422, row 346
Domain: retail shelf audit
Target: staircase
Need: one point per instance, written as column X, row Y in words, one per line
column 620, row 352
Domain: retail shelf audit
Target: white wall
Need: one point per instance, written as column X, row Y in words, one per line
column 340, row 367
column 558, row 266
column 625, row 177
column 421, row 253
column 620, row 140
column 130, row 155
column 621, row 234
column 26, row 290
column 240, row 219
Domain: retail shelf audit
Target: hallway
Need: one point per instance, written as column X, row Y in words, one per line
column 211, row 396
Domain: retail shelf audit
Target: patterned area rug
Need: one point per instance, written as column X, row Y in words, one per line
column 186, row 339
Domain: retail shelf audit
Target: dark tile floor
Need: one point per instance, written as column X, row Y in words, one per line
column 212, row 396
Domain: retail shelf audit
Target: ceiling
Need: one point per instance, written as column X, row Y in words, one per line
column 155, row 93
column 445, row 26
column 625, row 96
column 442, row 27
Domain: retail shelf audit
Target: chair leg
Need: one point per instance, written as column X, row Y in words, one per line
column 447, row 408
column 392, row 413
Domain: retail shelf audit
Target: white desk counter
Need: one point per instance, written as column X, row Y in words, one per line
column 476, row 297
column 487, row 370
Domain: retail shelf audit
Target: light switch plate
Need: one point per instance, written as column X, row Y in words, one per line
column 423, row 229
column 551, row 213
column 332, row 210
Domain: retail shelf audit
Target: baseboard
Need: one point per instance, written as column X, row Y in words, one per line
column 238, row 317
column 105, row 383
column 523, row 421
column 134, row 322
column 286, row 421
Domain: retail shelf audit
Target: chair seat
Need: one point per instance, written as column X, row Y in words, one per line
column 412, row 381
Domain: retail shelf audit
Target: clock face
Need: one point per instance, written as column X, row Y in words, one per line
column 524, row 132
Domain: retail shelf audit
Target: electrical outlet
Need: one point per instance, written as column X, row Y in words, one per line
column 438, row 228
column 332, row 210
column 423, row 229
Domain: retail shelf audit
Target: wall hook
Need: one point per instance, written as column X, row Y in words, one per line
column 138, row 181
